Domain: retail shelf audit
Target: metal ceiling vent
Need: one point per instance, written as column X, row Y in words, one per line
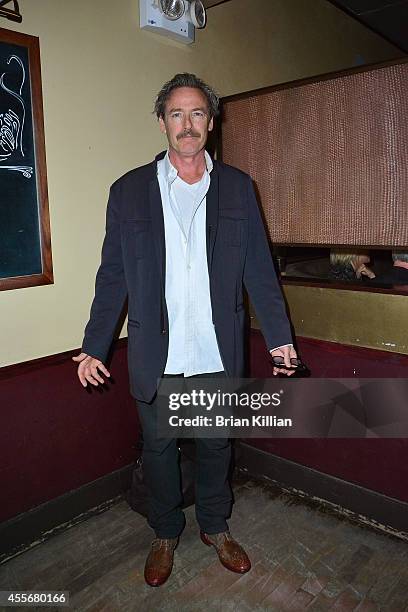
column 175, row 19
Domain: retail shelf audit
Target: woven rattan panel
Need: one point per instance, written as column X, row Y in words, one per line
column 329, row 158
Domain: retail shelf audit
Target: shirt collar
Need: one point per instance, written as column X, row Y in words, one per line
column 166, row 169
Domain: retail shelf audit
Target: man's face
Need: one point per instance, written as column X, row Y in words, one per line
column 186, row 122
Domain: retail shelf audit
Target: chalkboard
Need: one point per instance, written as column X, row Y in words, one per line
column 25, row 252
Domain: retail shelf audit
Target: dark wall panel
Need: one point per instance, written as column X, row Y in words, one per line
column 55, row 435
column 379, row 465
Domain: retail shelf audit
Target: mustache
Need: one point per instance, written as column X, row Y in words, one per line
column 188, row 133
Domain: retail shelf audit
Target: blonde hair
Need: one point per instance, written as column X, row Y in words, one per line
column 344, row 265
column 339, row 257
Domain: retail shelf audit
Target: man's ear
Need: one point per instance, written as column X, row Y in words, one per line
column 211, row 124
column 162, row 125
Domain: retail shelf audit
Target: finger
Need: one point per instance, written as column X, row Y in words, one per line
column 102, row 368
column 79, row 357
column 95, row 374
column 84, row 371
column 82, row 378
column 286, row 357
column 95, row 367
column 91, row 379
column 285, row 371
column 277, row 370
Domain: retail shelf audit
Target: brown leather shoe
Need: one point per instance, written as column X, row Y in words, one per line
column 230, row 553
column 159, row 562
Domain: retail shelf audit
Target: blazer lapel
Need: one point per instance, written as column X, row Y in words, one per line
column 212, row 214
column 156, row 212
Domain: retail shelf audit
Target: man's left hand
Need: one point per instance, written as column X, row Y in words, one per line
column 288, row 353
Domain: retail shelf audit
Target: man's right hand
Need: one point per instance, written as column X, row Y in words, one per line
column 88, row 369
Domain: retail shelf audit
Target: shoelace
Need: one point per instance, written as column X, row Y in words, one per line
column 220, row 537
column 159, row 542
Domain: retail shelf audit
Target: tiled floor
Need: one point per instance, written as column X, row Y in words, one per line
column 303, row 559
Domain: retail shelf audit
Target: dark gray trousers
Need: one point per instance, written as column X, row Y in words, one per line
column 161, row 469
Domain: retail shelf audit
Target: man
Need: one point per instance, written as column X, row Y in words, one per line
column 183, row 235
column 398, row 274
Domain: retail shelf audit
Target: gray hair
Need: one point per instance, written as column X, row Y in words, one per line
column 185, row 79
column 400, row 256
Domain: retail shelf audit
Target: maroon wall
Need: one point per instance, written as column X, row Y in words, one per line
column 380, row 465
column 55, row 435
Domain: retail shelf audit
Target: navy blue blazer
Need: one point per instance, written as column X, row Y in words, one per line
column 133, row 266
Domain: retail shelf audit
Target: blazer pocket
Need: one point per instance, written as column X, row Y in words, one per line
column 133, row 323
column 231, row 220
column 231, row 231
column 136, row 233
column 232, row 213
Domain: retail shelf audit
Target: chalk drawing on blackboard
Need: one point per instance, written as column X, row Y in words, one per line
column 12, row 125
column 27, row 171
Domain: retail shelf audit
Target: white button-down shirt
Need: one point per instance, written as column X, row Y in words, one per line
column 193, row 347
